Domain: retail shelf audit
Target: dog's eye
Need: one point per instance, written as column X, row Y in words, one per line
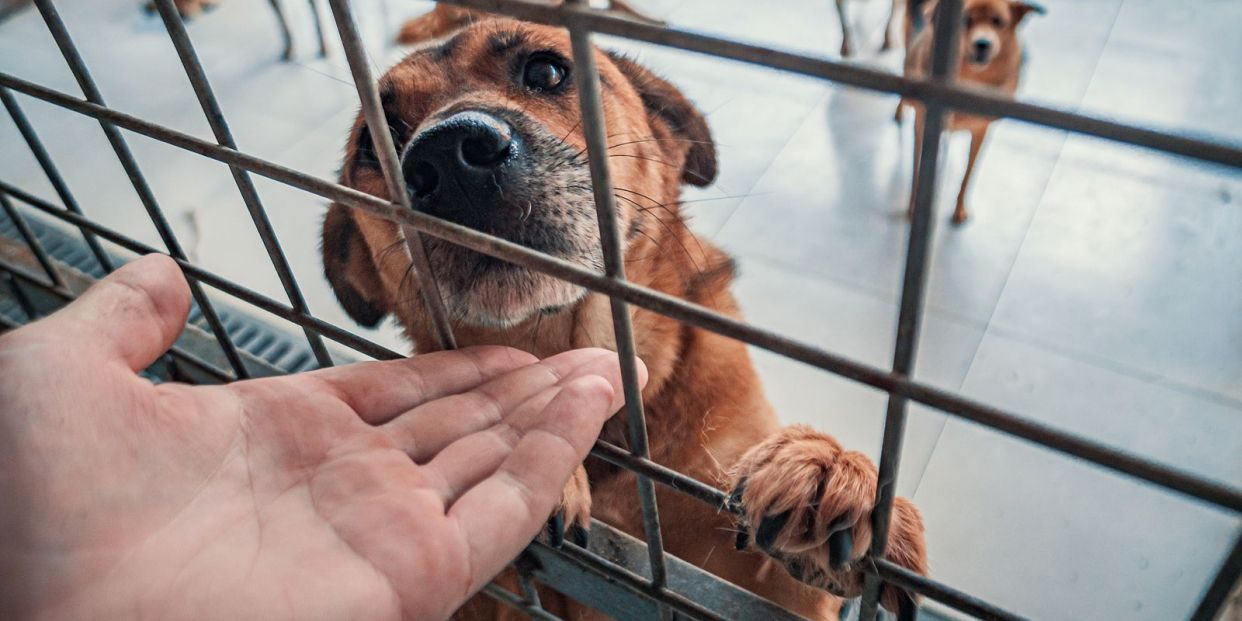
column 997, row 21
column 544, row 74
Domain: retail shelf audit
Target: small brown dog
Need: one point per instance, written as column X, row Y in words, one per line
column 991, row 57
column 446, row 18
column 489, row 131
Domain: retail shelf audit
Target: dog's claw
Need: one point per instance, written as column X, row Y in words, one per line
column 769, row 528
column 579, row 535
column 907, row 610
column 840, row 548
column 556, row 529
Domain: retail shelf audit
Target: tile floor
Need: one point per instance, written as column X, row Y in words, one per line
column 1097, row 288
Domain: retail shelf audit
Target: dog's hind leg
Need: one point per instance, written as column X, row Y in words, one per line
column 323, row 39
column 888, row 25
column 847, row 47
column 977, row 136
column 919, row 116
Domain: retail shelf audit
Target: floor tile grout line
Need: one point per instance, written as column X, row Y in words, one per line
column 820, row 100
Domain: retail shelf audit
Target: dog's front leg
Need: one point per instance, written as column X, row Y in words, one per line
column 807, row 503
column 573, row 513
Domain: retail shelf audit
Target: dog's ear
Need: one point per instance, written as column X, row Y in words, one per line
column 667, row 105
column 442, row 21
column 1022, row 9
column 350, row 269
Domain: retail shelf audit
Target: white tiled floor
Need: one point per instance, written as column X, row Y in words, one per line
column 1096, row 288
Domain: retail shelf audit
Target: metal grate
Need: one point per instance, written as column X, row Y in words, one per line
column 656, row 584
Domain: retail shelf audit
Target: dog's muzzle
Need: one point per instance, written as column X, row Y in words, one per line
column 981, row 51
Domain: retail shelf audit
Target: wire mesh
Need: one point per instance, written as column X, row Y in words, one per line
column 937, row 94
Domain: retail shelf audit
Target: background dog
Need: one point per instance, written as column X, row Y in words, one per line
column 489, row 131
column 991, row 57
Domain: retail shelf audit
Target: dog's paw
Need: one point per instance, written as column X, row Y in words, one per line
column 573, row 513
column 807, row 503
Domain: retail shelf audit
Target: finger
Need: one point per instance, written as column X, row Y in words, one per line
column 379, row 391
column 503, row 513
column 477, row 456
column 427, row 429
column 133, row 315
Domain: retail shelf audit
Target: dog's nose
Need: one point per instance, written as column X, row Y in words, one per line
column 982, row 46
column 452, row 165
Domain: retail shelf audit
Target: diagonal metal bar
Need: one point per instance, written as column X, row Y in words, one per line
column 503, row 596
column 53, row 174
column 70, row 52
column 245, row 185
column 377, row 125
column 1174, row 479
column 941, row 592
column 32, row 242
column 586, row 78
column 1222, row 585
column 850, row 74
column 913, row 292
column 211, row 279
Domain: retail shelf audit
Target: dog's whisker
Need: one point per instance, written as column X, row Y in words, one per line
column 660, row 161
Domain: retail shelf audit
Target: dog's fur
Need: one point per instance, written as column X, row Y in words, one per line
column 706, row 412
column 446, row 18
column 993, row 21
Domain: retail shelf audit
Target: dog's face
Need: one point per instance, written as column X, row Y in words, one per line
column 488, row 129
column 989, row 28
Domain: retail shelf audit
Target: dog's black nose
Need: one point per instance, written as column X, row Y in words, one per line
column 452, row 166
column 983, row 46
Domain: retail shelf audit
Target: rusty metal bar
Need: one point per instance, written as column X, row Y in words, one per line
column 913, row 291
column 53, row 174
column 386, row 152
column 32, row 242
column 83, row 77
column 1222, row 585
column 250, row 195
column 586, row 79
column 215, row 281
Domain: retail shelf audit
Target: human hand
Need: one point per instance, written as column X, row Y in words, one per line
column 375, row 490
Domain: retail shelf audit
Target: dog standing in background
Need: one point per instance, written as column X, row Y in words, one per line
column 991, row 57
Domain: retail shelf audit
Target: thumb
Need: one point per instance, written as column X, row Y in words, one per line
column 133, row 315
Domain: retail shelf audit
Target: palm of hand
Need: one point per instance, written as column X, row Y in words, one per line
column 296, row 497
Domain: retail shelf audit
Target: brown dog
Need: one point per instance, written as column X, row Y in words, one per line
column 991, row 57
column 488, row 126
column 446, row 18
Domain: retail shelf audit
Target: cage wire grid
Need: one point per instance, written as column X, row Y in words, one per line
column 937, row 93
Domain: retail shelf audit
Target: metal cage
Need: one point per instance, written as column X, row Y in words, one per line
column 626, row 578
